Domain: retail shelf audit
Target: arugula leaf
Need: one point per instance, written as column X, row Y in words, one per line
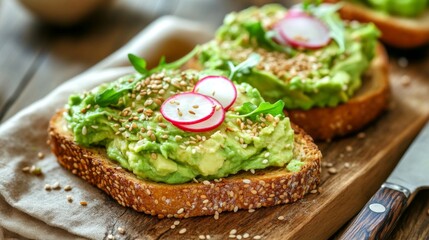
column 336, row 26
column 111, row 95
column 176, row 64
column 252, row 111
column 245, row 66
column 138, row 63
column 265, row 38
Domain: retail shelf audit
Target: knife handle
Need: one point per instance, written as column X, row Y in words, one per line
column 379, row 216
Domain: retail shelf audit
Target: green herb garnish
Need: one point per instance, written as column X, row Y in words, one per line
column 250, row 110
column 243, row 67
column 265, row 38
column 327, row 13
column 111, row 95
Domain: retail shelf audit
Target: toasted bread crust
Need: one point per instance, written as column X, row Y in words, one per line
column 241, row 191
column 396, row 31
column 328, row 122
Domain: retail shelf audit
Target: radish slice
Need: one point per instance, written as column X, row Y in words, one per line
column 209, row 124
column 303, row 31
column 188, row 108
column 220, row 88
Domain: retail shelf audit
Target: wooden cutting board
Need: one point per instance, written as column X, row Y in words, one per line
column 362, row 162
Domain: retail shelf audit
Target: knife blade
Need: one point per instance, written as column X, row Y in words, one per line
column 379, row 216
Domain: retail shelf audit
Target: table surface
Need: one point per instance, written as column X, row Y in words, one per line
column 36, row 58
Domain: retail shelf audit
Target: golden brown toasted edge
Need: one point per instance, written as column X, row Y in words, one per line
column 396, row 31
column 241, row 191
column 369, row 102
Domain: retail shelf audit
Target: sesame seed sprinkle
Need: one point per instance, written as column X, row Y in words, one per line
column 177, row 222
column 182, row 231
column 246, row 181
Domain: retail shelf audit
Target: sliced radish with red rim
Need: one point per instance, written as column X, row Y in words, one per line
column 218, row 87
column 302, row 30
column 207, row 125
column 188, row 108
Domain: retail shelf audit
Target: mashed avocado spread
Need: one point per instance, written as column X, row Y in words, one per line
column 302, row 78
column 123, row 116
column 404, row 8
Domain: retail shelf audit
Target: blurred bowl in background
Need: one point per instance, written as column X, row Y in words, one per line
column 63, row 12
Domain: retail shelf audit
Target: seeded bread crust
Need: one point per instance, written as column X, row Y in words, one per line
column 369, row 102
column 241, row 191
column 396, row 31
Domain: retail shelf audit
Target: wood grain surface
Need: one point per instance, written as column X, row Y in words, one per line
column 35, row 58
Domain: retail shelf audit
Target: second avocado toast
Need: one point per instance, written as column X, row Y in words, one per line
column 330, row 89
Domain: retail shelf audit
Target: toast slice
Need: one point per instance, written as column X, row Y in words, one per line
column 244, row 190
column 368, row 102
column 396, row 31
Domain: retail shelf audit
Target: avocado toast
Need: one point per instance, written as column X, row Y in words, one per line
column 327, row 79
column 404, row 24
column 116, row 138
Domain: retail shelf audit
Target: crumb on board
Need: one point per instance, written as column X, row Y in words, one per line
column 332, row 170
column 40, row 155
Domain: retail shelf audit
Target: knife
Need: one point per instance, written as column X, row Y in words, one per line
column 379, row 216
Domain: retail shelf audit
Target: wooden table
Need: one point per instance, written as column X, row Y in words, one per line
column 35, row 58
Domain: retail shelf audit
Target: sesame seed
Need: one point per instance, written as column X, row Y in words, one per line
column 252, row 209
column 216, row 216
column 246, row 235
column 265, row 161
column 83, row 203
column 235, row 208
column 67, row 188
column 191, row 112
column 281, row 218
column 69, row 198
column 246, row 181
column 257, row 237
column 180, row 211
column 84, row 130
column 56, row 186
column 179, row 112
column 233, row 231
column 267, row 154
column 121, row 230
column 195, row 106
column 177, row 222
column 26, row 169
column 110, row 237
column 347, row 165
column 208, row 236
column 332, row 170
column 349, row 148
column 40, row 155
column 231, row 236
column 182, row 231
column 172, row 226
column 239, row 237
column 48, row 187
column 314, row 191
column 205, row 182
column 201, row 237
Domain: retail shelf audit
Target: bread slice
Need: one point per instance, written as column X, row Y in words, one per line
column 396, row 31
column 241, row 191
column 368, row 102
